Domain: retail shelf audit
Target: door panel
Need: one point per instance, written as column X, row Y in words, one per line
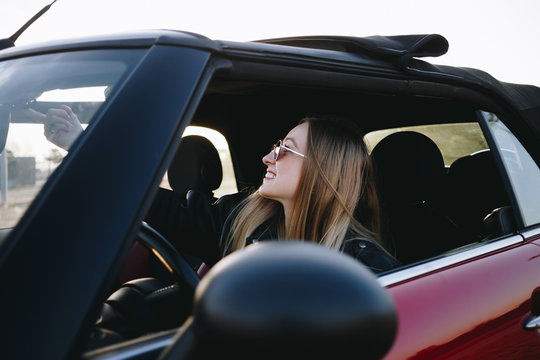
column 470, row 310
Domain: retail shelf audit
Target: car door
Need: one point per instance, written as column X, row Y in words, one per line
column 476, row 302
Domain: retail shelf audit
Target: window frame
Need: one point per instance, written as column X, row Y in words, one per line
column 520, row 201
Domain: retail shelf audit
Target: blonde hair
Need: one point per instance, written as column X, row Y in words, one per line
column 336, row 191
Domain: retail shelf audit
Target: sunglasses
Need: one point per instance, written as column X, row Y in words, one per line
column 278, row 150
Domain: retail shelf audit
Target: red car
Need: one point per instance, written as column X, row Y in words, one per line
column 457, row 156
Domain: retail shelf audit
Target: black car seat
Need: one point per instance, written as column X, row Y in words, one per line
column 475, row 190
column 409, row 173
column 195, row 166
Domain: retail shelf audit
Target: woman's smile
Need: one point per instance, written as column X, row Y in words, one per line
column 269, row 175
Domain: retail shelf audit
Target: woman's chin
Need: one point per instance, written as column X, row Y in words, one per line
column 264, row 191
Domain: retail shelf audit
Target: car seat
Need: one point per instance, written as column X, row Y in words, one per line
column 474, row 191
column 409, row 174
column 195, row 166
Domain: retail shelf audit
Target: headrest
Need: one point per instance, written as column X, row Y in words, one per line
column 473, row 166
column 475, row 184
column 408, row 165
column 196, row 166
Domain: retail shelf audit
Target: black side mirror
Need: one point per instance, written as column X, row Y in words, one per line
column 288, row 300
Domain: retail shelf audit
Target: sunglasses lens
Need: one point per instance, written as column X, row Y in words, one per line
column 276, row 150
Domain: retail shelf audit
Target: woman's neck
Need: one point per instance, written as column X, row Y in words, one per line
column 286, row 212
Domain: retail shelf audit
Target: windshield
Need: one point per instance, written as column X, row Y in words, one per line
column 46, row 103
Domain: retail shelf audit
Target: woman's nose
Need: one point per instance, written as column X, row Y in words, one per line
column 268, row 158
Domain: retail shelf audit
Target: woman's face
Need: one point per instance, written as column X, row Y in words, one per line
column 282, row 176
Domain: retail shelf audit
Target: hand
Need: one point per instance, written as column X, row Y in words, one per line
column 60, row 126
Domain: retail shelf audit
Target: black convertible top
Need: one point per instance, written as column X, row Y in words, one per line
column 403, row 52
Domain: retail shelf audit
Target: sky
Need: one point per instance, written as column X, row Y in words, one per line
column 497, row 36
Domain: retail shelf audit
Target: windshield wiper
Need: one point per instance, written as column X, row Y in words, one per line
column 10, row 41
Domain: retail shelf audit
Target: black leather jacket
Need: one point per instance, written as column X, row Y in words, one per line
column 197, row 226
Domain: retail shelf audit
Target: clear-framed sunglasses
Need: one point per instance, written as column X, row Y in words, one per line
column 279, row 149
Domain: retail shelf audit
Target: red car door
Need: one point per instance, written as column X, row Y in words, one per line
column 469, row 308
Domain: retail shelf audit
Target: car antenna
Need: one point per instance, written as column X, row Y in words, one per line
column 10, row 42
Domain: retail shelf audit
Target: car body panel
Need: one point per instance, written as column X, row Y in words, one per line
column 470, row 310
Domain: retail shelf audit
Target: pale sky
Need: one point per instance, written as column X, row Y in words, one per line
column 498, row 36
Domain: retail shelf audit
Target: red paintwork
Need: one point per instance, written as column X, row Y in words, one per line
column 470, row 311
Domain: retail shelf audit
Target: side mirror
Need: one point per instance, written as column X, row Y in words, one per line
column 288, row 300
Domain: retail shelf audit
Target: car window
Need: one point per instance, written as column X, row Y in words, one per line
column 228, row 184
column 454, row 140
column 461, row 199
column 523, row 172
column 30, row 88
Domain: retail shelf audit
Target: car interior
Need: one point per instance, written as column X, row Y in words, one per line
column 430, row 205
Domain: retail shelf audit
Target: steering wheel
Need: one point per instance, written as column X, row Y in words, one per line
column 168, row 255
column 143, row 305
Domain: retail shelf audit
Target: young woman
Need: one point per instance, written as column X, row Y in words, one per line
column 318, row 187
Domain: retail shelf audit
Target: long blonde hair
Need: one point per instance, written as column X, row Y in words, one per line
column 336, row 191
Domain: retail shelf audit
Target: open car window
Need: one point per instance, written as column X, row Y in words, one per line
column 434, row 198
column 441, row 192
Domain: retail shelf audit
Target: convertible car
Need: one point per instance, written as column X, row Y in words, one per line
column 84, row 276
